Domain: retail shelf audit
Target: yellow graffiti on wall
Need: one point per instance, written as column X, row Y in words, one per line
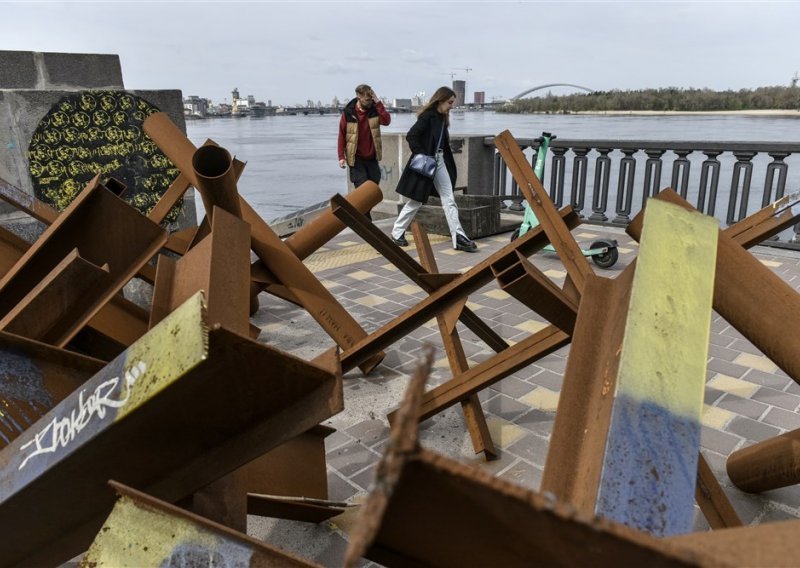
column 98, row 132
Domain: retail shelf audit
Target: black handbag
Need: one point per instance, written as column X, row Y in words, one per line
column 423, row 164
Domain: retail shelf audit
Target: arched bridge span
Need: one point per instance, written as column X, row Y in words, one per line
column 523, row 93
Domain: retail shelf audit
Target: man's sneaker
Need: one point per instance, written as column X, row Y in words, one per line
column 463, row 243
column 401, row 242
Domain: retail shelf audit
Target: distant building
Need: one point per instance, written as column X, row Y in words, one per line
column 460, row 88
column 480, row 97
column 195, row 106
column 402, row 103
column 335, row 102
column 418, row 100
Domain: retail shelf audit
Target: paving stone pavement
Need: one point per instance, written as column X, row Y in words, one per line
column 748, row 399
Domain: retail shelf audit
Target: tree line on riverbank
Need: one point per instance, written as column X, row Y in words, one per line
column 666, row 99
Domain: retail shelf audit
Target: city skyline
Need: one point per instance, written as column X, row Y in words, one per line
column 290, row 52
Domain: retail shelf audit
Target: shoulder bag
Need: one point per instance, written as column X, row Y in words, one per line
column 423, row 164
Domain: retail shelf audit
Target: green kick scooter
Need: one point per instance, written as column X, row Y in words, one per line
column 604, row 253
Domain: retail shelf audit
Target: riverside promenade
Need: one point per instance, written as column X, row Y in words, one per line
column 747, row 398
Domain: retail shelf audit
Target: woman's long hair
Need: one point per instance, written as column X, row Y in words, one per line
column 442, row 94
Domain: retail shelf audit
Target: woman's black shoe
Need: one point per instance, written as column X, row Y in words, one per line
column 401, row 242
column 463, row 243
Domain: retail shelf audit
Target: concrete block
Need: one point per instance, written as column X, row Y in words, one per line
column 18, row 70
column 82, row 71
column 479, row 216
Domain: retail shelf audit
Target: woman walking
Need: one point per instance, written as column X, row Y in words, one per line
column 429, row 131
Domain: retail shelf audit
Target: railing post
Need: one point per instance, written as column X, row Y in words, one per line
column 579, row 167
column 777, row 165
column 652, row 173
column 558, row 166
column 711, row 166
column 602, row 173
column 742, row 171
column 627, row 171
column 680, row 172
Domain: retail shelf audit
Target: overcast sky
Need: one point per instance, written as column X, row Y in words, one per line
column 288, row 52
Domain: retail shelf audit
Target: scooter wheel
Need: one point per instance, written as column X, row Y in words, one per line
column 608, row 258
column 515, row 234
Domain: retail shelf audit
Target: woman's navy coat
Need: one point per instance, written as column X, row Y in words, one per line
column 422, row 138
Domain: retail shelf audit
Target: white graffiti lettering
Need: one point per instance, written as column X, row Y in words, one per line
column 63, row 430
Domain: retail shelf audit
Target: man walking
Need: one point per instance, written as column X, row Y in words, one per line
column 360, row 135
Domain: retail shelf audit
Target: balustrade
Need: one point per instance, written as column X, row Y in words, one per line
column 625, row 173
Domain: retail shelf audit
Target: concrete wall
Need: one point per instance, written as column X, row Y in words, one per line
column 474, row 162
column 59, row 71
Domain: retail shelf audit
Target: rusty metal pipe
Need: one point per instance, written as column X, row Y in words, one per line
column 770, row 464
column 322, row 229
column 216, row 179
column 174, row 143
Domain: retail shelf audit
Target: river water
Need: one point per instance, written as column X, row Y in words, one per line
column 292, row 162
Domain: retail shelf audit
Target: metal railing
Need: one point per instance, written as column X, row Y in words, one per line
column 608, row 181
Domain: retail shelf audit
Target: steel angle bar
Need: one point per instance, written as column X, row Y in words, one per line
column 649, row 471
column 410, row 267
column 219, row 265
column 562, row 240
column 449, row 294
column 712, row 500
column 180, row 408
column 532, row 288
column 428, row 510
column 767, row 222
column 490, row 371
column 574, row 455
column 106, row 230
column 144, row 531
column 471, row 407
column 769, row 544
column 34, row 377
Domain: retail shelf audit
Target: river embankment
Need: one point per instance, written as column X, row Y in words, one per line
column 771, row 113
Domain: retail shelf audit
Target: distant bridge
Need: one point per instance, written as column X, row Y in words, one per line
column 523, row 93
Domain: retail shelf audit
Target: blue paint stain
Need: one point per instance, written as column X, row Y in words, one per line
column 650, row 468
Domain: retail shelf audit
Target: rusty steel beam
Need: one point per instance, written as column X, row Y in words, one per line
column 711, row 499
column 62, row 296
column 106, row 230
column 219, row 265
column 449, row 294
column 119, row 322
column 539, row 201
column 471, row 407
column 769, row 544
column 490, row 371
column 427, row 510
column 144, row 531
column 160, row 418
column 532, row 288
column 36, row 377
column 410, row 267
column 649, row 470
column 279, row 260
column 574, row 455
column 309, row 238
column 740, row 280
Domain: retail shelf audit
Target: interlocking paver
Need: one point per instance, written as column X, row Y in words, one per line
column 747, row 399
